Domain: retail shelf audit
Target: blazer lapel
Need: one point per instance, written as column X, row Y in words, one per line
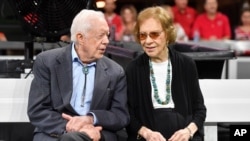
column 101, row 83
column 64, row 74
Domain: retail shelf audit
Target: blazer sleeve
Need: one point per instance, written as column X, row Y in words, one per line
column 40, row 111
column 116, row 116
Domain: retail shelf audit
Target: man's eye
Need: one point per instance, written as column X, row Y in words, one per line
column 108, row 35
column 99, row 36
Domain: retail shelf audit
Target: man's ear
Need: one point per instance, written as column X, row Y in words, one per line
column 80, row 37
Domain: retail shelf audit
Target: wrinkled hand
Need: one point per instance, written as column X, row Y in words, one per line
column 92, row 131
column 180, row 135
column 150, row 135
column 154, row 136
column 77, row 122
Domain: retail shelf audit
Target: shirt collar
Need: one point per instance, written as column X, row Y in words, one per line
column 75, row 57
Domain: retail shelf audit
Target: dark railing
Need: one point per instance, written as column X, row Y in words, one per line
column 209, row 56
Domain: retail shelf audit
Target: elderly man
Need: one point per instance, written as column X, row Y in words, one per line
column 77, row 93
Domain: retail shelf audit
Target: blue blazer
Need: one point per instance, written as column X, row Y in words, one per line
column 51, row 91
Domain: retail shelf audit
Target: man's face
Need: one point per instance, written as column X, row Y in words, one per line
column 181, row 4
column 94, row 43
column 211, row 6
column 109, row 6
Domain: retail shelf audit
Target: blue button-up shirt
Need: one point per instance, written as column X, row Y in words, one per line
column 78, row 84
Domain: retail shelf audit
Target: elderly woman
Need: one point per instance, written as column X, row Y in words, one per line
column 164, row 97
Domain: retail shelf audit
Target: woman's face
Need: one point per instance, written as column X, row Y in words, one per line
column 153, row 38
column 245, row 18
column 127, row 15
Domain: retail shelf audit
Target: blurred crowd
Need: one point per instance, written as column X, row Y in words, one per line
column 190, row 25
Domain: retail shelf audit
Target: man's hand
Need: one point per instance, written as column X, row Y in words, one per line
column 77, row 122
column 92, row 131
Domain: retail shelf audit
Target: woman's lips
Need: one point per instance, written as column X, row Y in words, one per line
column 150, row 48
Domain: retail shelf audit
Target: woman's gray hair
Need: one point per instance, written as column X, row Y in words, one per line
column 84, row 21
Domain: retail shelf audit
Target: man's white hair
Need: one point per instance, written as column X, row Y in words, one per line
column 84, row 21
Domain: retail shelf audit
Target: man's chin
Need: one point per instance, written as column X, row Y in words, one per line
column 99, row 56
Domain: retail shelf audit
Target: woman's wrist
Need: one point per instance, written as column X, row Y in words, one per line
column 191, row 134
column 143, row 132
column 191, row 128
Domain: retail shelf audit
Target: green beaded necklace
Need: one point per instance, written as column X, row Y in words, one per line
column 156, row 95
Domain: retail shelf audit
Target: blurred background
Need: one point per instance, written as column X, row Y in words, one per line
column 11, row 26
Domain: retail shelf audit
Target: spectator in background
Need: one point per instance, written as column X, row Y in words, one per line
column 114, row 20
column 212, row 25
column 128, row 15
column 2, row 37
column 180, row 33
column 184, row 15
column 65, row 38
column 242, row 32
